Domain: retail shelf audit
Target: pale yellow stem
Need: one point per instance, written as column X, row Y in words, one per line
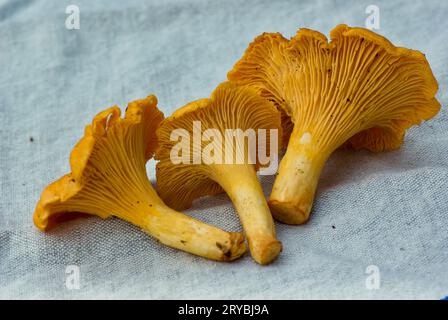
column 180, row 231
column 243, row 187
column 294, row 188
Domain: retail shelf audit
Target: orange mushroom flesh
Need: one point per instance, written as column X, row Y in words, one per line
column 229, row 107
column 108, row 178
column 357, row 91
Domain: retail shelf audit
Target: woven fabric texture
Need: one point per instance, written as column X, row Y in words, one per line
column 389, row 210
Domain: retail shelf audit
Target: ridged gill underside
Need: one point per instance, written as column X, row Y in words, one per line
column 229, row 107
column 108, row 175
column 358, row 90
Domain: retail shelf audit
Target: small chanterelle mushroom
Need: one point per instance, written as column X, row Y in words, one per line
column 221, row 160
column 108, row 178
column 358, row 90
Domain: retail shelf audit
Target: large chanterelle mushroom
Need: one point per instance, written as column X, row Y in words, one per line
column 358, row 90
column 108, row 178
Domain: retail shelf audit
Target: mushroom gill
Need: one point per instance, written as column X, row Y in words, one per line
column 108, row 178
column 357, row 91
column 217, row 163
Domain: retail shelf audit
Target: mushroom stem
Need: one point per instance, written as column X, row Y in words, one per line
column 251, row 206
column 294, row 188
column 182, row 232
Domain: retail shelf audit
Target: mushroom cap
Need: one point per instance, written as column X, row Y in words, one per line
column 229, row 107
column 358, row 77
column 94, row 166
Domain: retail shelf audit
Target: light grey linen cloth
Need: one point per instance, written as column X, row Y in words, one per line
column 388, row 210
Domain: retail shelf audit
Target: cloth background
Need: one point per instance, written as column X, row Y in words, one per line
column 388, row 209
